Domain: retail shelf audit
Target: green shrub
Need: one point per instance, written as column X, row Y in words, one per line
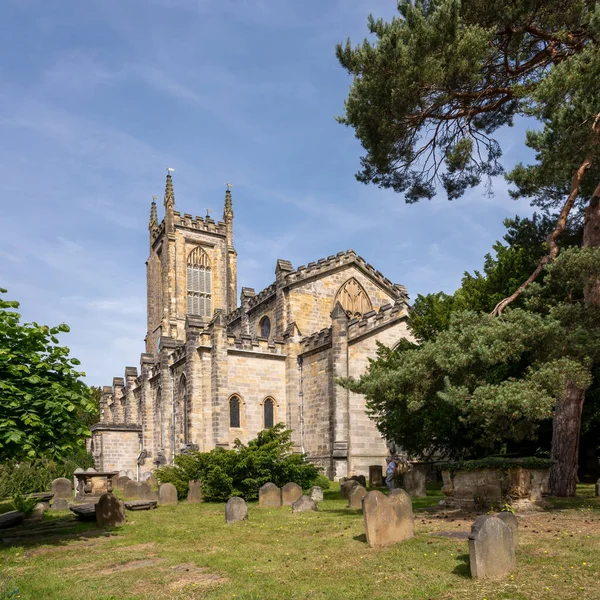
column 22, row 504
column 244, row 469
column 498, row 462
column 322, row 481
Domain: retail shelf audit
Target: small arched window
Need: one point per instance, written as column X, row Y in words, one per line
column 268, row 407
column 199, row 285
column 234, row 412
column 184, row 410
column 158, row 416
column 264, row 327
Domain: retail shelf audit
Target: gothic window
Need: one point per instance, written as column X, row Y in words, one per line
column 199, row 284
column 264, row 327
column 158, row 419
column 234, row 411
column 353, row 298
column 268, row 409
column 184, row 410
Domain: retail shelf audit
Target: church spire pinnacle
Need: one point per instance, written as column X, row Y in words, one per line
column 169, row 194
column 228, row 209
column 153, row 215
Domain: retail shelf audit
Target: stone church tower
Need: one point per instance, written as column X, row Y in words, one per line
column 215, row 371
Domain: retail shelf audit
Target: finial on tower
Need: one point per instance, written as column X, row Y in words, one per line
column 153, row 215
column 228, row 210
column 169, row 194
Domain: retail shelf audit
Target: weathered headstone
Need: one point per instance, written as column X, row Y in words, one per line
column 11, row 518
column 356, row 496
column 152, row 481
column 60, row 504
column 130, row 474
column 122, row 473
column 316, row 493
column 375, row 476
column 62, row 488
column 130, row 489
column 121, row 481
column 290, row 492
column 90, row 470
column 39, row 509
column 167, row 494
column 347, row 487
column 491, row 548
column 146, row 475
column 110, row 511
column 388, row 519
column 304, row 504
column 269, row 496
column 509, row 519
column 236, row 510
column 415, row 480
column 195, row 492
column 360, row 479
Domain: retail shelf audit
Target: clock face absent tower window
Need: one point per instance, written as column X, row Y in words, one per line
column 265, row 327
column 199, row 284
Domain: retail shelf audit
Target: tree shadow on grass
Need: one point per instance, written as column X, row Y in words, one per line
column 463, row 568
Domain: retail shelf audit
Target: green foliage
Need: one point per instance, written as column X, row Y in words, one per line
column 322, row 481
column 242, row 470
column 25, row 505
column 28, row 477
column 41, row 394
column 499, row 462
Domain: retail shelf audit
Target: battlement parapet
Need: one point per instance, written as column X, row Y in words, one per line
column 372, row 320
column 316, row 340
column 255, row 344
column 205, row 224
column 262, row 296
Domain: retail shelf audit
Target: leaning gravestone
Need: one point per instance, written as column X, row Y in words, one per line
column 388, row 519
column 62, row 488
column 356, row 496
column 195, row 492
column 110, row 511
column 167, row 494
column 304, row 504
column 415, row 480
column 347, row 487
column 316, row 493
column 236, row 510
column 121, row 481
column 269, row 496
column 375, row 476
column 360, row 479
column 509, row 519
column 290, row 492
column 491, row 548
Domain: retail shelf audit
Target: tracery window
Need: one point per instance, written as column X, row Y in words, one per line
column 184, row 410
column 264, row 327
column 199, row 284
column 268, row 410
column 234, row 411
column 353, row 298
column 158, row 419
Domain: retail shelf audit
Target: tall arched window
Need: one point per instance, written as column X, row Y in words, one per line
column 184, row 411
column 199, row 283
column 234, row 412
column 268, row 410
column 158, row 420
column 353, row 298
column 264, row 327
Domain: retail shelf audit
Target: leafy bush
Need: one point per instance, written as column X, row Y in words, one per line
column 22, row 504
column 244, row 469
column 322, row 481
column 499, row 462
column 37, row 475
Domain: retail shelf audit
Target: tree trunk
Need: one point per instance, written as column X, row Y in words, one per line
column 591, row 239
column 565, row 441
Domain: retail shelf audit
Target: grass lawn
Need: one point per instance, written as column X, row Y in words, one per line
column 188, row 552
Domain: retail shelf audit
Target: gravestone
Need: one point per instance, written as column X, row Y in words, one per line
column 415, row 480
column 290, row 492
column 360, row 479
column 60, row 504
column 375, row 476
column 130, row 474
column 152, row 481
column 130, row 489
column 598, row 488
column 39, row 509
column 167, row 494
column 269, row 495
column 304, row 504
column 110, row 511
column 236, row 510
column 491, row 548
column 141, row 505
column 90, row 470
column 146, row 475
column 388, row 519
column 195, row 492
column 121, row 481
column 62, row 488
column 347, row 487
column 122, row 473
column 316, row 493
column 84, row 512
column 356, row 496
column 12, row 518
column 509, row 519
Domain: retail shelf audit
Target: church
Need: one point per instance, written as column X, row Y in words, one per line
column 215, row 371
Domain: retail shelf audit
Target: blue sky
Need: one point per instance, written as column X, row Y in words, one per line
column 98, row 97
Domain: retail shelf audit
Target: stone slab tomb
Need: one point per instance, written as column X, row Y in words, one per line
column 304, row 504
column 11, row 518
column 85, row 512
column 141, row 505
column 62, row 488
column 356, row 496
column 415, row 480
column 290, row 492
column 195, row 492
column 167, row 494
column 346, row 488
column 491, row 548
column 236, row 509
column 316, row 493
column 269, row 496
column 375, row 476
column 388, row 519
column 110, row 511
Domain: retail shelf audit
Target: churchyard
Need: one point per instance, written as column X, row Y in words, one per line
column 188, row 551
